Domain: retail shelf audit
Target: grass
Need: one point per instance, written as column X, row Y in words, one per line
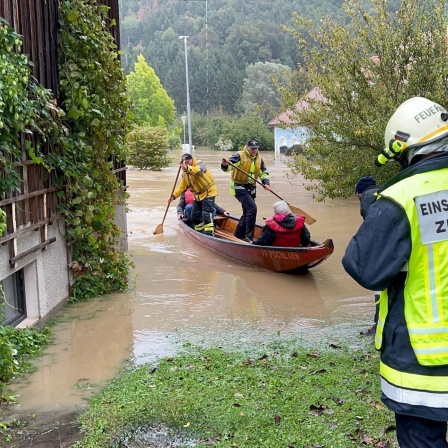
column 282, row 395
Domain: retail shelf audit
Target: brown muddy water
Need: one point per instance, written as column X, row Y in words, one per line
column 185, row 294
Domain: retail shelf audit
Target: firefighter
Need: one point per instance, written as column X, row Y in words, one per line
column 201, row 182
column 246, row 167
column 401, row 250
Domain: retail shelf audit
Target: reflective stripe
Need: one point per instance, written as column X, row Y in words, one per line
column 383, row 303
column 414, row 381
column 209, row 227
column 428, row 330
column 414, row 397
column 379, row 333
column 199, row 227
column 421, row 351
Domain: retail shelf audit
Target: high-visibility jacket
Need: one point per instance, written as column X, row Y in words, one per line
column 251, row 165
column 380, row 257
column 424, row 199
column 284, row 236
column 199, row 179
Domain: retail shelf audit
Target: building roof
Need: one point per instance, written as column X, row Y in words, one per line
column 288, row 117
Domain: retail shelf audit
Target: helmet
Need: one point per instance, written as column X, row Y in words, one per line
column 416, row 123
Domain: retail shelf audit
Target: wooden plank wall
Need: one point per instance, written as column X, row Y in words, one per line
column 37, row 21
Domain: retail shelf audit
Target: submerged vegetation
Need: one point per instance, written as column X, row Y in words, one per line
column 17, row 347
column 285, row 395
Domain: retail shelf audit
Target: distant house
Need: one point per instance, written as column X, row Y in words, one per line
column 288, row 132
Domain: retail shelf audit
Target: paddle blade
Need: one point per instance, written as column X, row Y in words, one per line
column 298, row 211
column 159, row 229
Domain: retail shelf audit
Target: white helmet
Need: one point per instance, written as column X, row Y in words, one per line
column 416, row 123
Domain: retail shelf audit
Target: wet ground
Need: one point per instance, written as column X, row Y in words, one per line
column 185, row 293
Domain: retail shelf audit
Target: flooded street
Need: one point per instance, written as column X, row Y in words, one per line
column 183, row 293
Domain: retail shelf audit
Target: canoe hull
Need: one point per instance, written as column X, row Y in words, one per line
column 276, row 259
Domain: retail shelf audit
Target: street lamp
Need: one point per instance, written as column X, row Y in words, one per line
column 183, row 118
column 188, row 92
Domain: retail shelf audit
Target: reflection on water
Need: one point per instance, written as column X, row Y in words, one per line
column 187, row 293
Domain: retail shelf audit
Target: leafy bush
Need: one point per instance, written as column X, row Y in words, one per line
column 25, row 108
column 93, row 94
column 2, row 221
column 148, row 148
column 223, row 144
column 16, row 347
column 239, row 130
column 174, row 142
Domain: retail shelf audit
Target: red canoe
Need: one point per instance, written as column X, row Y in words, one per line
column 272, row 258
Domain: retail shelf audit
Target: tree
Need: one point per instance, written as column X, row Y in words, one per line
column 261, row 88
column 240, row 129
column 131, row 27
column 152, row 105
column 364, row 69
column 248, row 42
column 148, row 148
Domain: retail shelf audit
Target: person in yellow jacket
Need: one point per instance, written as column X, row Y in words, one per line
column 401, row 249
column 244, row 187
column 197, row 178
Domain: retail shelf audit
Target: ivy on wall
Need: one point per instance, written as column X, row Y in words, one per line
column 85, row 129
column 93, row 95
column 26, row 108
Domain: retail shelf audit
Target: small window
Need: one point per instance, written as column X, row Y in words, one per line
column 13, row 299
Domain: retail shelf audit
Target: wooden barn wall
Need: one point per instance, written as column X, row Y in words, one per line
column 37, row 21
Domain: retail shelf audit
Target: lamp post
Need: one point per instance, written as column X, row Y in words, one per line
column 183, row 118
column 188, row 92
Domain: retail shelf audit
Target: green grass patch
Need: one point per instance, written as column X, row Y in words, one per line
column 285, row 395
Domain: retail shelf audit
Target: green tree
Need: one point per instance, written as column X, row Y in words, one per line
column 364, row 70
column 250, row 125
column 207, row 129
column 131, row 28
column 152, row 105
column 148, row 148
column 225, row 37
column 298, row 86
column 261, row 88
column 248, row 42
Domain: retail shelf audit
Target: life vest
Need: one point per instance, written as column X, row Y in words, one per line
column 249, row 165
column 252, row 166
column 286, row 237
column 424, row 198
column 189, row 197
column 199, row 179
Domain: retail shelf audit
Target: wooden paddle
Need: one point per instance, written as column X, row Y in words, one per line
column 296, row 210
column 159, row 228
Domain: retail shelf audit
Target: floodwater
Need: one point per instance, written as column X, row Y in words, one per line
column 186, row 294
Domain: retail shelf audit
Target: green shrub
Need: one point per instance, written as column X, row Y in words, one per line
column 174, row 142
column 148, row 148
column 16, row 347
